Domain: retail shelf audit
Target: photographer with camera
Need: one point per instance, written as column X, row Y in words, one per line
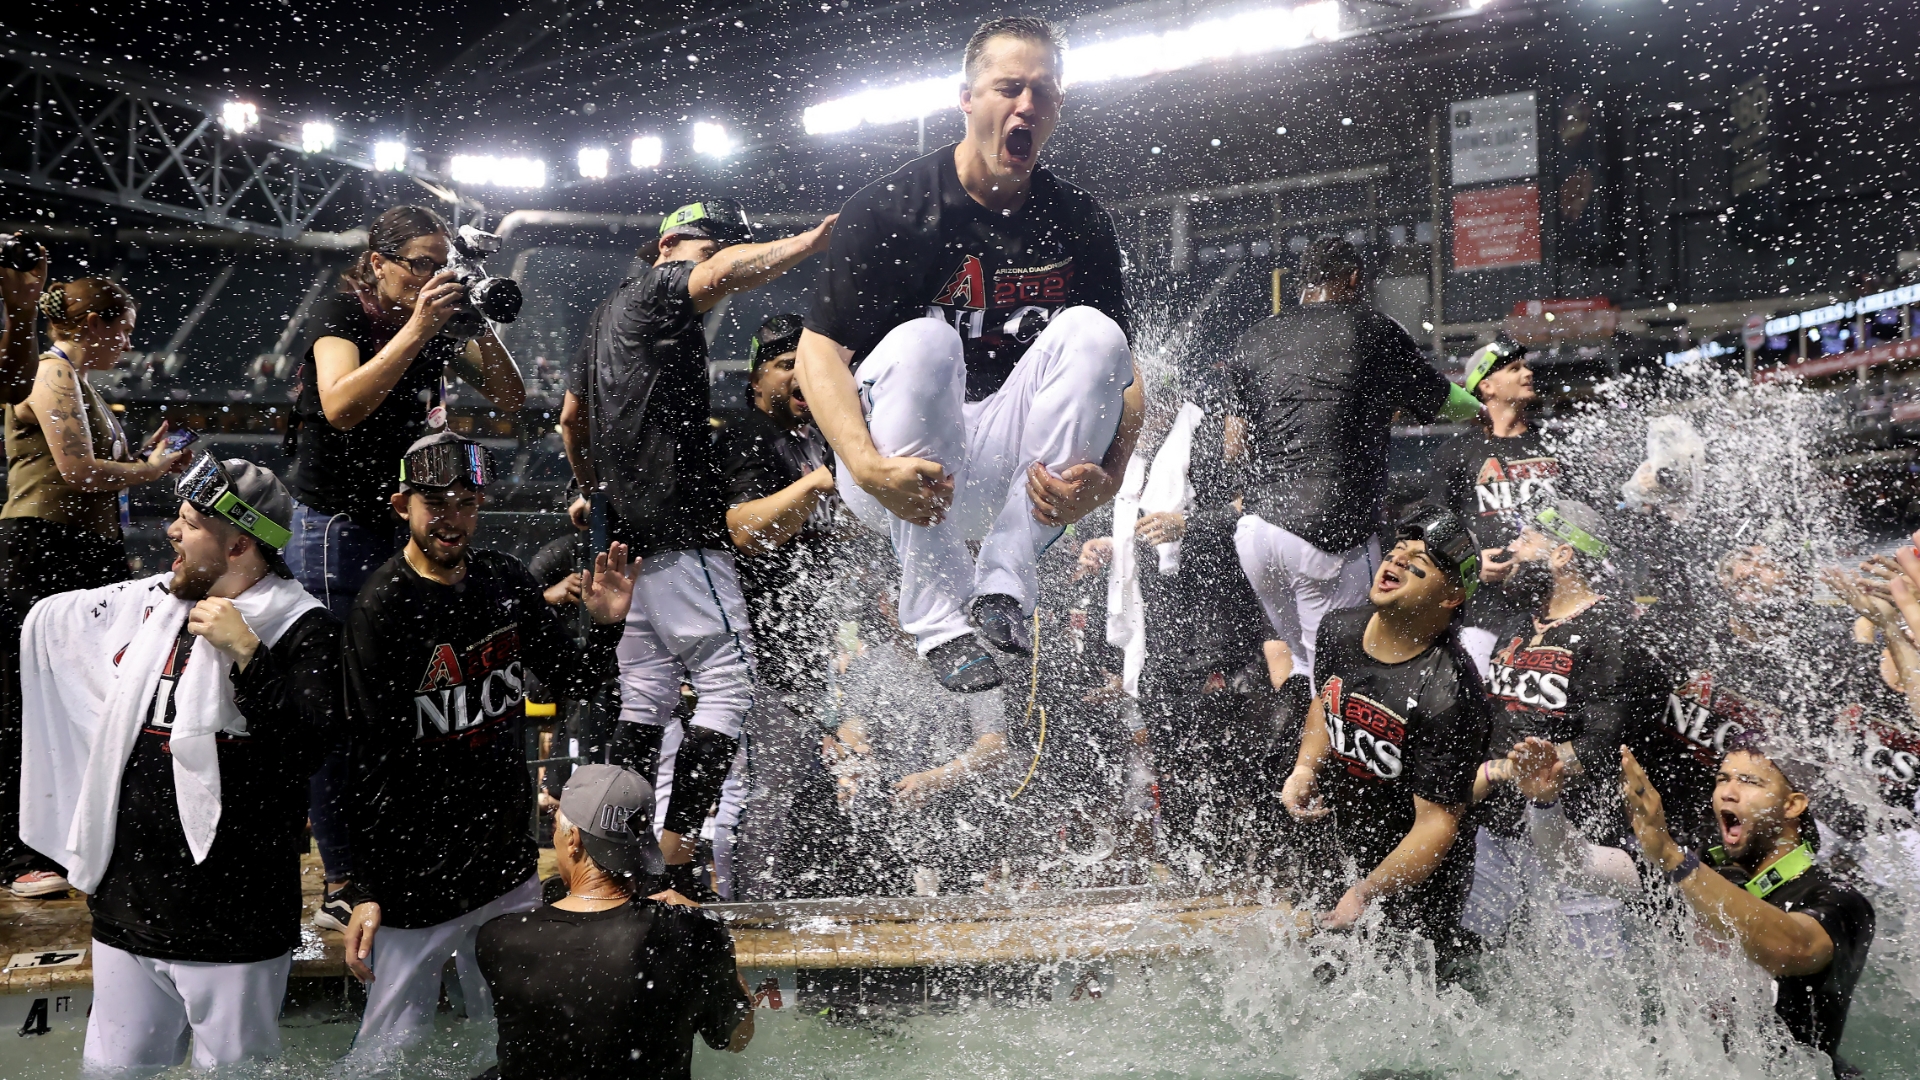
column 375, row 379
column 68, row 471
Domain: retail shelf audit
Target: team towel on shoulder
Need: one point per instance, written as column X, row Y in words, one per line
column 1164, row 488
column 90, row 661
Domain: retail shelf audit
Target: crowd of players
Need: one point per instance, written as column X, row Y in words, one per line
column 924, row 620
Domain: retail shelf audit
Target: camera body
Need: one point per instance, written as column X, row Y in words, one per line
column 495, row 299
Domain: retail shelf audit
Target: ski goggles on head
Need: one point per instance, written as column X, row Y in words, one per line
column 1448, row 542
column 724, row 220
column 206, row 487
column 442, row 465
column 1553, row 524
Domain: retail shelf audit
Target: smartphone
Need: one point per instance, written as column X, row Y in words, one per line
column 180, row 439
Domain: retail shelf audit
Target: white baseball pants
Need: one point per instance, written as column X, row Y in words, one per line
column 1060, row 407
column 406, row 975
column 146, row 1011
column 1298, row 583
column 689, row 621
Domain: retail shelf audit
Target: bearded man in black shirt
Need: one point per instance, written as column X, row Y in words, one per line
column 438, row 652
column 967, row 358
column 1392, row 740
column 183, row 825
column 636, row 426
column 1577, row 675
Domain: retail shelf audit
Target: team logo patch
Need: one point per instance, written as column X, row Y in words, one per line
column 1503, row 487
column 443, row 669
column 967, row 288
column 1534, row 678
column 1366, row 735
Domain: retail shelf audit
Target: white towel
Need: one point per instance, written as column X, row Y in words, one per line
column 1165, row 488
column 90, row 661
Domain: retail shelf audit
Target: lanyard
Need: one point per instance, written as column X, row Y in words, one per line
column 1784, row 869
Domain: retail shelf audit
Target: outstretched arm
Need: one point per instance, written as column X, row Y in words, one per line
column 749, row 266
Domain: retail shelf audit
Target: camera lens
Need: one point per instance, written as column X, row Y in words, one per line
column 497, row 298
column 19, row 254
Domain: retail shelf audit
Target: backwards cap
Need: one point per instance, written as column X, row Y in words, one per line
column 724, row 220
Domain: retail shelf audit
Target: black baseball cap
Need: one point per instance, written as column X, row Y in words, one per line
column 1490, row 358
column 777, row 336
column 613, row 809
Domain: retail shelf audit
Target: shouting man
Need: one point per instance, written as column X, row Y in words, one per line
column 967, row 358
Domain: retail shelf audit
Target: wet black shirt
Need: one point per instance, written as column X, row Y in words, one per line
column 1495, row 483
column 785, row 588
column 1814, row 1007
column 242, row 903
column 353, row 470
column 1399, row 730
column 1587, row 681
column 914, row 244
column 599, row 995
column 1318, row 388
column 652, row 445
column 440, row 796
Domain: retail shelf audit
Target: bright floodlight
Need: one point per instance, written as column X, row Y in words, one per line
column 1247, row 34
column 711, row 139
column 485, row 169
column 316, row 137
column 890, row 105
column 239, row 116
column 593, row 162
column 647, row 152
column 390, row 156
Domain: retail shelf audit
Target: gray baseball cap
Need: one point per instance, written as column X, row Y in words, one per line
column 613, row 809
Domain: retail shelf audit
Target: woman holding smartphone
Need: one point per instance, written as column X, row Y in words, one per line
column 376, row 376
column 68, row 471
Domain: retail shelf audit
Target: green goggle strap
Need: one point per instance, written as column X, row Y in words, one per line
column 256, row 524
column 1784, row 869
column 686, row 215
column 1567, row 532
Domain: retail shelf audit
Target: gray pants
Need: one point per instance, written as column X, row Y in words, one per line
column 780, row 746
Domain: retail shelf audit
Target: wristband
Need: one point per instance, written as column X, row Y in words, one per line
column 1688, row 865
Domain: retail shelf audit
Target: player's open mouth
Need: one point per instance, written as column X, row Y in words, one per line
column 1390, row 578
column 1020, row 144
column 1733, row 831
column 451, row 539
column 799, row 398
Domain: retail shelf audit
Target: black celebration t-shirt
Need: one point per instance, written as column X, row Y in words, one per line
column 581, row 995
column 1584, row 680
column 1496, row 484
column 914, row 244
column 353, row 470
column 1418, row 727
column 1814, row 1007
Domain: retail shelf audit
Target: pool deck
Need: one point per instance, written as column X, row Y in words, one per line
column 853, row 934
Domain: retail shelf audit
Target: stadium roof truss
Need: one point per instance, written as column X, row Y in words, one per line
column 77, row 133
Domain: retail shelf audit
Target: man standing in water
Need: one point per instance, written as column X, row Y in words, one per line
column 1392, row 741
column 967, row 359
column 1315, row 390
column 438, row 651
column 1496, row 473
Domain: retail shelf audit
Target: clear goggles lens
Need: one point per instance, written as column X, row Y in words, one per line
column 203, row 483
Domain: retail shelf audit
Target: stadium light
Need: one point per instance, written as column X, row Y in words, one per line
column 485, row 169
column 647, row 152
column 239, row 117
column 593, row 162
column 316, row 137
column 711, row 139
column 390, row 157
column 1250, row 33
